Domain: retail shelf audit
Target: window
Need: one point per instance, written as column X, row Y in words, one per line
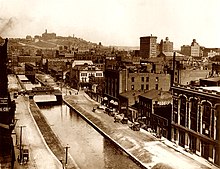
column 142, row 79
column 193, row 114
column 156, row 86
column 83, row 74
column 147, row 79
column 132, row 79
column 132, row 87
column 147, row 87
column 182, row 110
column 98, row 74
column 142, row 87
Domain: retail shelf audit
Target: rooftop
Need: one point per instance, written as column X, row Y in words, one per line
column 158, row 95
column 214, row 79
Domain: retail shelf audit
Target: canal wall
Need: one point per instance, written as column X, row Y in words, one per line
column 49, row 136
column 98, row 126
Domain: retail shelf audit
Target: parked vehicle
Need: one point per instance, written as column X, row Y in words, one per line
column 135, row 126
column 117, row 118
column 110, row 111
column 124, row 120
column 102, row 107
column 25, row 155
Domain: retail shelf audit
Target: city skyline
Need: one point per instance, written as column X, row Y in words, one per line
column 116, row 22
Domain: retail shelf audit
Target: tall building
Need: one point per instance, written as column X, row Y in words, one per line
column 148, row 47
column 195, row 49
column 166, row 46
column 192, row 50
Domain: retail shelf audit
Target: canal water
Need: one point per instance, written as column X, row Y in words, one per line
column 88, row 148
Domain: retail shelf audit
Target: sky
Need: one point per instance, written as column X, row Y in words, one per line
column 115, row 22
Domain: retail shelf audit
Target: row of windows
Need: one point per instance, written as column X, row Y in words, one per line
column 147, row 87
column 142, row 79
column 97, row 74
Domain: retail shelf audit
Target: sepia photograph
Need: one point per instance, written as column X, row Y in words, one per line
column 109, row 84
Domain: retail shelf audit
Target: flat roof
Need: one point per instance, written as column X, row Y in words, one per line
column 214, row 88
column 214, row 79
column 23, row 77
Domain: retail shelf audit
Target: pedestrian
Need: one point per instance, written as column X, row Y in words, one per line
column 70, row 92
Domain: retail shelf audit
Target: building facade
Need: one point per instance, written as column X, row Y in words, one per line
column 166, row 46
column 191, row 50
column 148, row 47
column 195, row 120
column 155, row 108
column 84, row 75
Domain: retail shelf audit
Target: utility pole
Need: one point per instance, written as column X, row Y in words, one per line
column 20, row 160
column 66, row 153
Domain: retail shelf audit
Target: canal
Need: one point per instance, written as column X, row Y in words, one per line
column 88, row 148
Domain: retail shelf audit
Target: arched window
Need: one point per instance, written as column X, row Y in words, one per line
column 206, row 118
column 182, row 110
column 193, row 114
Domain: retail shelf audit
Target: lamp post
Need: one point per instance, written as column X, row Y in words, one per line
column 20, row 156
column 66, row 153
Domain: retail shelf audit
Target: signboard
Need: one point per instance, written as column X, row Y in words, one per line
column 4, row 109
column 4, row 105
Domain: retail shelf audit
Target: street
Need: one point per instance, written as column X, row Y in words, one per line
column 40, row 155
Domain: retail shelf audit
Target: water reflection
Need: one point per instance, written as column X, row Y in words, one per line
column 88, row 148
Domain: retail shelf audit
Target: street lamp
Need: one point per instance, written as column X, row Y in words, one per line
column 66, row 153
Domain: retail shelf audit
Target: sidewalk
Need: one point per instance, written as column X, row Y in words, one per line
column 172, row 145
column 142, row 144
column 40, row 156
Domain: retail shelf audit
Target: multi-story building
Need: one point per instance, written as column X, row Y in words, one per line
column 147, row 81
column 166, row 46
column 195, row 120
column 148, row 47
column 121, row 78
column 155, row 107
column 186, row 50
column 195, row 49
column 192, row 50
column 7, row 113
column 85, row 75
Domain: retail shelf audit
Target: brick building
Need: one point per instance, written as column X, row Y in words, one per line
column 155, row 107
column 121, row 78
column 148, row 47
column 192, row 50
column 195, row 120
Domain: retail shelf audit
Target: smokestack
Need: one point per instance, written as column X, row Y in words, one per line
column 174, row 68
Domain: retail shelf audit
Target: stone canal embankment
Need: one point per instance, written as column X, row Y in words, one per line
column 49, row 136
column 99, row 126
